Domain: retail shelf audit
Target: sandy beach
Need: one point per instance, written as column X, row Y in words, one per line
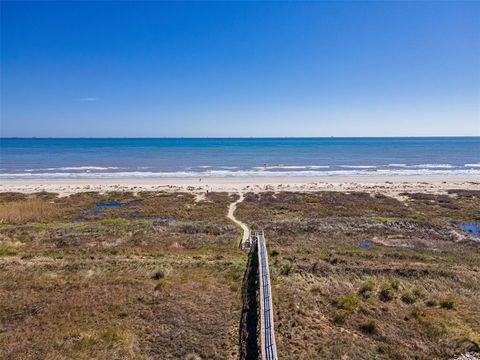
column 385, row 184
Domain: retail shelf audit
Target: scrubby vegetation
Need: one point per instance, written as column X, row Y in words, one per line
column 367, row 288
column 159, row 275
column 375, row 277
column 118, row 276
column 20, row 212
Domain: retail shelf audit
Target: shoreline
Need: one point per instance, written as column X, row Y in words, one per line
column 390, row 184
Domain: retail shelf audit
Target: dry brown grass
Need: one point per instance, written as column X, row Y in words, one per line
column 333, row 306
column 139, row 281
column 106, row 306
column 80, row 286
column 27, row 211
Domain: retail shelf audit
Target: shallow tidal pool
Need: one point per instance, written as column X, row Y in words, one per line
column 471, row 227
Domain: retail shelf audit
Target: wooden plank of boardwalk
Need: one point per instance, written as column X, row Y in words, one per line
column 269, row 348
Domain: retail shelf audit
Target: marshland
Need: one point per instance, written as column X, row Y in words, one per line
column 157, row 274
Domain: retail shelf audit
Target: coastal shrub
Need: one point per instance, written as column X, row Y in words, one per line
column 408, row 298
column 191, row 227
column 286, row 269
column 412, row 296
column 387, row 293
column 143, row 221
column 340, row 316
column 348, row 302
column 113, row 221
column 370, row 327
column 158, row 274
column 388, row 289
column 188, row 228
column 111, row 337
column 431, row 302
column 385, row 219
column 108, row 339
column 274, row 253
column 383, row 348
column 471, row 343
column 417, row 313
column 50, row 225
column 418, row 293
column 212, row 229
column 21, row 212
column 113, row 251
column 434, row 329
column 395, row 284
column 366, row 288
column 448, row 303
column 7, row 252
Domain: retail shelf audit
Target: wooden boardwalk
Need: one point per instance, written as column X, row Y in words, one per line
column 267, row 334
column 249, row 241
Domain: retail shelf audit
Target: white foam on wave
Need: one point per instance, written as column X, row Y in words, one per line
column 472, row 165
column 73, row 168
column 272, row 167
column 239, row 173
column 423, row 166
column 358, row 166
column 290, row 167
column 397, row 165
column 211, row 166
column 433, row 166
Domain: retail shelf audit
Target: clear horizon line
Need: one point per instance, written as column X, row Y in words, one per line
column 240, row 137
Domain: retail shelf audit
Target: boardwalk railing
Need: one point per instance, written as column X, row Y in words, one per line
column 269, row 348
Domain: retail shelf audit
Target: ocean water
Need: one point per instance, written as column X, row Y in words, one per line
column 168, row 157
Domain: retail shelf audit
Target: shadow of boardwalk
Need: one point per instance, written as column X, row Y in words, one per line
column 249, row 349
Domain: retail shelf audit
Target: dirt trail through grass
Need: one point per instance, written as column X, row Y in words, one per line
column 231, row 216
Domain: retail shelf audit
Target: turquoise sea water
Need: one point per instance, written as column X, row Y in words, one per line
column 125, row 158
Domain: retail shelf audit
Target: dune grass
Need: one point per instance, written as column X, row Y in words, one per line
column 410, row 294
column 139, row 281
column 20, row 212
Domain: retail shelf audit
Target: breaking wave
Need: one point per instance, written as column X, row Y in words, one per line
column 75, row 168
column 239, row 173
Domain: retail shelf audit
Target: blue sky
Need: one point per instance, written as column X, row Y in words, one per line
column 240, row 69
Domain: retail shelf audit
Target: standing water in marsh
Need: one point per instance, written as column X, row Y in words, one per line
column 471, row 227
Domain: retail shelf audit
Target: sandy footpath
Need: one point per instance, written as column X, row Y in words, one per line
column 392, row 185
